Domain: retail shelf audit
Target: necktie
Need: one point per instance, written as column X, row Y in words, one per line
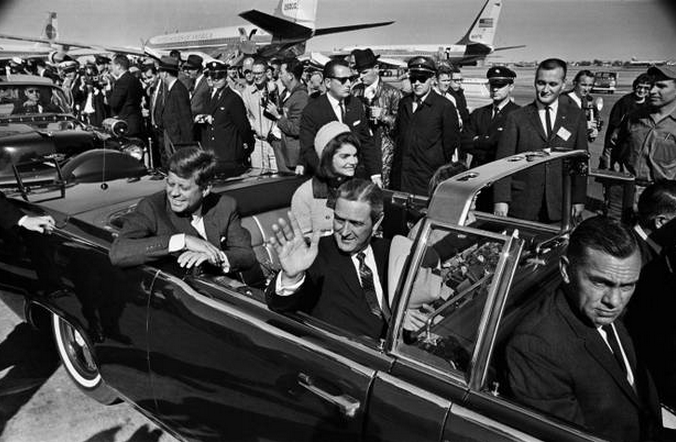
column 496, row 111
column 416, row 104
column 615, row 346
column 366, row 276
column 548, row 121
column 342, row 111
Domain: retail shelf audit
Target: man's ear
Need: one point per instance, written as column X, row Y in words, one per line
column 659, row 221
column 564, row 269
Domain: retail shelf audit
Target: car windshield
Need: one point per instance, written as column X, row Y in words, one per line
column 31, row 99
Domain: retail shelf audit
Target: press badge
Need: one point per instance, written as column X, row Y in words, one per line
column 563, row 134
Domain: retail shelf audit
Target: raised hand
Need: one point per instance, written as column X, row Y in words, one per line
column 295, row 254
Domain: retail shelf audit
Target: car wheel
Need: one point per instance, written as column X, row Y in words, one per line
column 79, row 362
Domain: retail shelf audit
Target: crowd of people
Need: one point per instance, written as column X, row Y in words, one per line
column 352, row 134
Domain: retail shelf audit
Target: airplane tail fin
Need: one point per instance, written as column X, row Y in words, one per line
column 301, row 12
column 484, row 25
column 50, row 31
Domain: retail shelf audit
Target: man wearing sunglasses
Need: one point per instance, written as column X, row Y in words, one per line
column 426, row 131
column 337, row 105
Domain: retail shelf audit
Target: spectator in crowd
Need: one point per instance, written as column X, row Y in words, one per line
column 381, row 101
column 256, row 98
column 199, row 93
column 443, row 85
column 43, row 70
column 337, row 105
column 426, row 131
column 647, row 140
column 486, row 125
column 581, row 96
column 125, row 97
column 571, row 356
column 656, row 208
column 172, row 110
column 636, row 99
column 535, row 194
column 312, row 203
column 70, row 83
column 315, row 85
column 186, row 219
column 458, row 94
column 233, row 79
column 288, row 113
column 227, row 130
column 11, row 216
column 341, row 279
column 247, row 72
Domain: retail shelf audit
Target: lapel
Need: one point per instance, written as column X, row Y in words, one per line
column 210, row 218
column 534, row 118
column 342, row 265
column 180, row 224
column 598, row 350
column 561, row 117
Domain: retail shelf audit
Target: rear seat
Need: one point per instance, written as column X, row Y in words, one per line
column 260, row 206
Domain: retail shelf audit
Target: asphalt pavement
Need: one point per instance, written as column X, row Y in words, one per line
column 39, row 402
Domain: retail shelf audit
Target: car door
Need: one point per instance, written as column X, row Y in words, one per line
column 226, row 368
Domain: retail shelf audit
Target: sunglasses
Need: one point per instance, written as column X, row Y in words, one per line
column 343, row 80
column 32, row 91
column 217, row 75
column 498, row 84
column 457, row 80
column 419, row 78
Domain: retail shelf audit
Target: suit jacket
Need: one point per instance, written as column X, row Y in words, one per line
column 9, row 213
column 230, row 130
column 175, row 114
column 559, row 364
column 199, row 97
column 125, row 102
column 425, row 140
column 482, row 132
column 331, row 291
column 523, row 133
column 289, row 124
column 317, row 113
column 147, row 230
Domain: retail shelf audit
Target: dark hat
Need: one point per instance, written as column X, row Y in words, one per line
column 217, row 66
column 662, row 72
column 194, row 62
column 364, row 59
column 422, row 65
column 101, row 59
column 500, row 74
column 169, row 64
column 176, row 54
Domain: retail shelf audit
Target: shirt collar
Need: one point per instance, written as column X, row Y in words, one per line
column 573, row 96
column 372, row 87
column 171, row 83
column 334, row 102
column 554, row 106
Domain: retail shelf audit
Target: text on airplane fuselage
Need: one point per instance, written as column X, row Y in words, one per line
column 187, row 37
column 290, row 6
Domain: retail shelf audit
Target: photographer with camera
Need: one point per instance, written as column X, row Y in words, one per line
column 256, row 98
column 93, row 108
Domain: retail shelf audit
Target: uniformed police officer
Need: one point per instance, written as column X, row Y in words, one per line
column 482, row 133
column 227, row 130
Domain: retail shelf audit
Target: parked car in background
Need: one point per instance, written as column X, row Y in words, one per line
column 605, row 81
column 39, row 133
column 200, row 353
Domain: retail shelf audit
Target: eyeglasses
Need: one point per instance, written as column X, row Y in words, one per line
column 645, row 88
column 418, row 78
column 343, row 80
column 247, row 71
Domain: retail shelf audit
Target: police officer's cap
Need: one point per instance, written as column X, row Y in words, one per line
column 101, row 59
column 69, row 66
column 661, row 73
column 217, row 66
column 422, row 65
column 500, row 74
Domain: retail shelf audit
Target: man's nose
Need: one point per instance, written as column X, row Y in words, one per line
column 613, row 297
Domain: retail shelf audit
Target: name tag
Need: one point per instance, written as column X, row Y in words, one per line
column 563, row 134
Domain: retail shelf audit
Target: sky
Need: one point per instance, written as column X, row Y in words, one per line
column 569, row 29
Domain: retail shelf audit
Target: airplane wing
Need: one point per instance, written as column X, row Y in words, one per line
column 334, row 30
column 72, row 44
column 504, row 48
column 276, row 26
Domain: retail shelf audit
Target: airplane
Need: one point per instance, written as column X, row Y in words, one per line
column 50, row 47
column 473, row 47
column 282, row 34
column 646, row 63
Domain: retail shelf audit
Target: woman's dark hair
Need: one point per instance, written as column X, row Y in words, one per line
column 189, row 161
column 326, row 172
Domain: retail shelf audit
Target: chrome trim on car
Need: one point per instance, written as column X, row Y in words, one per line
column 491, row 425
column 432, row 398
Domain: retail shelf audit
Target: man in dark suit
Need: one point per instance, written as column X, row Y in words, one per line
column 426, row 131
column 337, row 105
column 11, row 216
column 186, row 219
column 486, row 124
column 572, row 357
column 199, row 93
column 172, row 109
column 547, row 123
column 126, row 96
column 227, row 130
column 656, row 208
column 288, row 113
column 341, row 279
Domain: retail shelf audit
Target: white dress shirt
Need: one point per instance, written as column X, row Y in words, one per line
column 554, row 108
column 335, row 105
column 630, row 374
